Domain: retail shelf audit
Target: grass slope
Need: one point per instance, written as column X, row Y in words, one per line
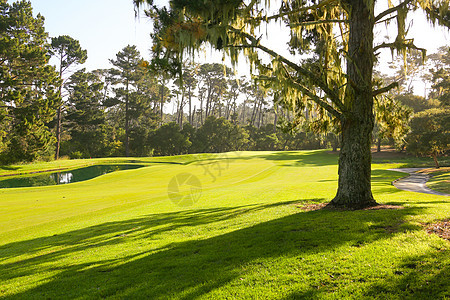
column 440, row 180
column 119, row 236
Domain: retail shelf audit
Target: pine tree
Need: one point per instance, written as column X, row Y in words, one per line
column 69, row 53
column 127, row 73
column 28, row 93
column 86, row 116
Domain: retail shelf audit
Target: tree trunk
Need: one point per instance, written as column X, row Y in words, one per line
column 436, row 162
column 127, row 144
column 275, row 119
column 58, row 131
column 354, row 185
column 253, row 117
column 190, row 105
column 59, row 111
column 201, row 111
column 180, row 111
column 243, row 112
column 161, row 103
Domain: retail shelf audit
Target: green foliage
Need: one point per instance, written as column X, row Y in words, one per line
column 441, row 79
column 430, row 133
column 168, row 140
column 264, row 138
column 90, row 135
column 219, row 135
column 130, row 102
column 392, row 120
column 68, row 51
column 28, row 85
column 416, row 103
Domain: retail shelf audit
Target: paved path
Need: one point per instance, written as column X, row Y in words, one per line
column 415, row 182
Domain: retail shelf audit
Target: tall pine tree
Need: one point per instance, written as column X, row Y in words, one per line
column 127, row 73
column 69, row 53
column 28, row 85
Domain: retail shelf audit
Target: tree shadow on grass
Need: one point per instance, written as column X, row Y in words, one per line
column 187, row 269
column 418, row 277
column 306, row 158
column 142, row 227
column 291, row 158
column 9, row 168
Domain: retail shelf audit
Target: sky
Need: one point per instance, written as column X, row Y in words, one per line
column 104, row 27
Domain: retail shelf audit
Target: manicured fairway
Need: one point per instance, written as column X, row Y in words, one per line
column 120, row 235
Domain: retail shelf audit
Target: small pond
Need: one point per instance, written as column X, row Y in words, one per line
column 63, row 177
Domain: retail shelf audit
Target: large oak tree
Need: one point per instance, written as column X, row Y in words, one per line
column 337, row 80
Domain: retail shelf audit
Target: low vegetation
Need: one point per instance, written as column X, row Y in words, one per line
column 247, row 236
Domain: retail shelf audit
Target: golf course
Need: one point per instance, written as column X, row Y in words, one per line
column 236, row 225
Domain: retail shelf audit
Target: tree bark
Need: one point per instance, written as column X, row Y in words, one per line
column 436, row 162
column 59, row 111
column 243, row 112
column 127, row 142
column 190, row 104
column 58, row 132
column 161, row 104
column 354, row 184
column 201, row 111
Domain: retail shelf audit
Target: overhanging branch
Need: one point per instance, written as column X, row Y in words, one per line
column 396, row 45
column 322, row 103
column 295, row 11
column 391, row 10
column 255, row 43
column 318, row 22
column 385, row 89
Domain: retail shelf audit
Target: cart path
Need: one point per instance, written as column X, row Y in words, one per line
column 415, row 182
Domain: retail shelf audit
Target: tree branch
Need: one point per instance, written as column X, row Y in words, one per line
column 396, row 46
column 316, row 79
column 318, row 100
column 390, row 10
column 385, row 89
column 296, row 11
column 318, row 22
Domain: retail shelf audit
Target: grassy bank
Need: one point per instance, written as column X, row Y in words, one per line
column 120, row 235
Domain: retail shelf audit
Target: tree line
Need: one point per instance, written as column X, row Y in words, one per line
column 49, row 112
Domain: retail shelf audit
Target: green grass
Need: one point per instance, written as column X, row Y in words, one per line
column 440, row 181
column 119, row 236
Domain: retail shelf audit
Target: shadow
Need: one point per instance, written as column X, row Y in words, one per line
column 418, row 277
column 290, row 158
column 9, row 168
column 143, row 227
column 306, row 158
column 186, row 267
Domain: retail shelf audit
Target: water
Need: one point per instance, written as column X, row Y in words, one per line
column 64, row 177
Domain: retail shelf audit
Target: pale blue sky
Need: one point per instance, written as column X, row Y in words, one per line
column 103, row 27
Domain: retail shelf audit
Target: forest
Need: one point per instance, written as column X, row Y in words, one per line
column 136, row 109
